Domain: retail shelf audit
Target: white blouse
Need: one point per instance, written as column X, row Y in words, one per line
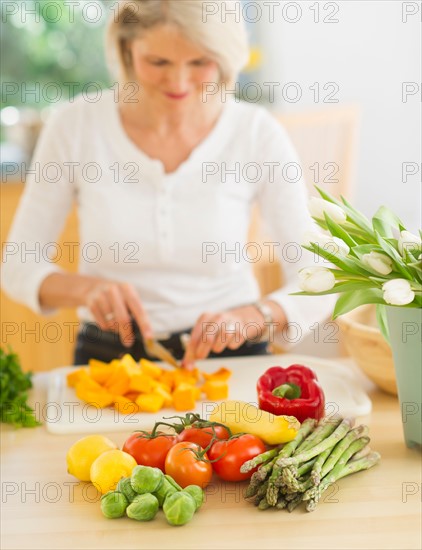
column 179, row 238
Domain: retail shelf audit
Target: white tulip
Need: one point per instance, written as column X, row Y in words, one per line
column 318, row 206
column 316, row 279
column 381, row 263
column 334, row 245
column 409, row 241
column 398, row 292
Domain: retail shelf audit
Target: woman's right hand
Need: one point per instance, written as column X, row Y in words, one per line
column 114, row 305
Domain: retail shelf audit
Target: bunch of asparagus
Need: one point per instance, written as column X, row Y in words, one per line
column 303, row 469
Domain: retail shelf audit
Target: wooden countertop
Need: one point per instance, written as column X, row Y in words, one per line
column 44, row 507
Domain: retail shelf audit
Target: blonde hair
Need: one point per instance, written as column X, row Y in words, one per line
column 225, row 38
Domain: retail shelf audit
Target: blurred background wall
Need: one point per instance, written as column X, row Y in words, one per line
column 344, row 77
column 330, row 53
column 372, row 54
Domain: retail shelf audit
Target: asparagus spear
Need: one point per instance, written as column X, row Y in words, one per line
column 265, row 469
column 306, row 467
column 325, row 427
column 319, row 463
column 341, row 462
column 285, row 451
column 256, row 461
column 294, row 503
column 340, row 471
column 258, row 477
column 327, row 443
column 337, row 452
column 264, row 504
column 281, row 503
column 262, row 489
column 273, row 489
column 253, row 486
column 360, row 454
column 289, row 480
column 273, row 485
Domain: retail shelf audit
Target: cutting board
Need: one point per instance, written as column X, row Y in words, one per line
column 66, row 414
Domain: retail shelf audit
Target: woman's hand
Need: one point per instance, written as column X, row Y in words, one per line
column 114, row 305
column 218, row 331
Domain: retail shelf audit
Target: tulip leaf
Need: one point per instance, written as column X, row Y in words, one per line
column 326, row 196
column 349, row 286
column 351, row 265
column 381, row 314
column 385, row 220
column 394, row 255
column 337, row 231
column 353, row 299
column 359, row 219
column 362, row 249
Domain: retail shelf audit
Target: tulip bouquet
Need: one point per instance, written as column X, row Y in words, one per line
column 376, row 262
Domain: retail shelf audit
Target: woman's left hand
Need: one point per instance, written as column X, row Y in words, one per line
column 214, row 332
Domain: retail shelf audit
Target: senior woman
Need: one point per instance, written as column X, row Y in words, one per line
column 155, row 166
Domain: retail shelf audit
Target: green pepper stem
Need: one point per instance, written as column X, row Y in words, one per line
column 288, row 391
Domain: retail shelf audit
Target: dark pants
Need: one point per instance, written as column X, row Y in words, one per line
column 94, row 343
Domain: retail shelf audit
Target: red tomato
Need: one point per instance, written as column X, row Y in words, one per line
column 203, row 436
column 185, row 467
column 233, row 453
column 149, row 451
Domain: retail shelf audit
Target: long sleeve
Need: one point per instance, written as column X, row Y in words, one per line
column 40, row 217
column 283, row 201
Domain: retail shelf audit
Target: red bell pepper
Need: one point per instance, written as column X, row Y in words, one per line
column 293, row 391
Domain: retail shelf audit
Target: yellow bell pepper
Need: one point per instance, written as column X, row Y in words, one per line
column 240, row 416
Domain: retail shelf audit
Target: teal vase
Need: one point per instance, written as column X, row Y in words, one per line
column 405, row 326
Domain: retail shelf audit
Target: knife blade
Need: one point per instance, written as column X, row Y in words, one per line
column 155, row 349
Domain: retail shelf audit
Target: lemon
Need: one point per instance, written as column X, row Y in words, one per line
column 109, row 468
column 82, row 454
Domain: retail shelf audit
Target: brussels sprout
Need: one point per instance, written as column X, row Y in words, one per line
column 164, row 491
column 114, row 504
column 143, row 507
column 124, row 486
column 145, row 479
column 179, row 508
column 172, row 482
column 196, row 493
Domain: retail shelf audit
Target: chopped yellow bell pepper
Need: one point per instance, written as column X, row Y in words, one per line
column 75, row 376
column 100, row 371
column 150, row 402
column 150, row 368
column 184, row 397
column 95, row 398
column 220, row 374
column 141, row 383
column 161, row 389
column 216, row 389
column 125, row 405
column 118, row 383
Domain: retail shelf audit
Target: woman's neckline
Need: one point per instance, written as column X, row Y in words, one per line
column 213, row 138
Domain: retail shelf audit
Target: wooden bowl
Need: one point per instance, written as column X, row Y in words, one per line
column 365, row 344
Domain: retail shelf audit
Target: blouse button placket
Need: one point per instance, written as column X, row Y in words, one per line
column 164, row 221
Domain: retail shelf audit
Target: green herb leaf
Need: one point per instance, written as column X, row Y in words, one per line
column 13, row 384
